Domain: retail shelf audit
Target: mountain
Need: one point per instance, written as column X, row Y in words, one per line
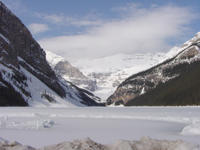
column 110, row 71
column 70, row 73
column 26, row 79
column 102, row 75
column 172, row 82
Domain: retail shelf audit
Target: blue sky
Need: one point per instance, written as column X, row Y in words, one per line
column 142, row 25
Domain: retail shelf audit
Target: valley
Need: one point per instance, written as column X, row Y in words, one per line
column 73, row 77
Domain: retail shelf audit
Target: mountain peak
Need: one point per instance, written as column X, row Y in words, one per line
column 26, row 78
column 160, row 79
column 3, row 7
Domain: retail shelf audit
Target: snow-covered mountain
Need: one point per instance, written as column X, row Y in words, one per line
column 103, row 75
column 172, row 82
column 110, row 71
column 25, row 76
column 70, row 73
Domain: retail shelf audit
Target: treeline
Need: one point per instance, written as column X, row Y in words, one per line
column 183, row 90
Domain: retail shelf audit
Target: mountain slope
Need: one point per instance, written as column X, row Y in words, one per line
column 73, row 74
column 25, row 76
column 70, row 73
column 102, row 75
column 173, row 82
column 112, row 70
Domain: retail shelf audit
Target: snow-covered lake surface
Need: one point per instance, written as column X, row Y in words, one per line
column 46, row 126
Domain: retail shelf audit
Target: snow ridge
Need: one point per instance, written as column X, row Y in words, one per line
column 144, row 143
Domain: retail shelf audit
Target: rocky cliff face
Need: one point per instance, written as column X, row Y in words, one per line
column 156, row 86
column 70, row 73
column 25, row 76
column 74, row 75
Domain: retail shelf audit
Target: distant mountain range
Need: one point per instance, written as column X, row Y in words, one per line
column 26, row 79
column 102, row 75
column 172, row 82
column 130, row 76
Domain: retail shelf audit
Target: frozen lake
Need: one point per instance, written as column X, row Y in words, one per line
column 43, row 126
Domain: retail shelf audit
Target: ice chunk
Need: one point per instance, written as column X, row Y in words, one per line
column 191, row 129
column 48, row 123
column 31, row 125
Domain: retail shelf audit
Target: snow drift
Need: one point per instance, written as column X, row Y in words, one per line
column 144, row 143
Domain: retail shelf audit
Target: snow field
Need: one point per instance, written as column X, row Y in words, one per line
column 39, row 127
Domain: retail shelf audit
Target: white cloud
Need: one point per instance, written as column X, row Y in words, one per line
column 138, row 30
column 60, row 19
column 36, row 28
column 83, row 22
column 53, row 18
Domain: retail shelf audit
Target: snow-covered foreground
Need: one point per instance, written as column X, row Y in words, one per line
column 39, row 127
column 144, row 143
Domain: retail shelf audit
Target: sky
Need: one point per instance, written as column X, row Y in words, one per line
column 88, row 29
